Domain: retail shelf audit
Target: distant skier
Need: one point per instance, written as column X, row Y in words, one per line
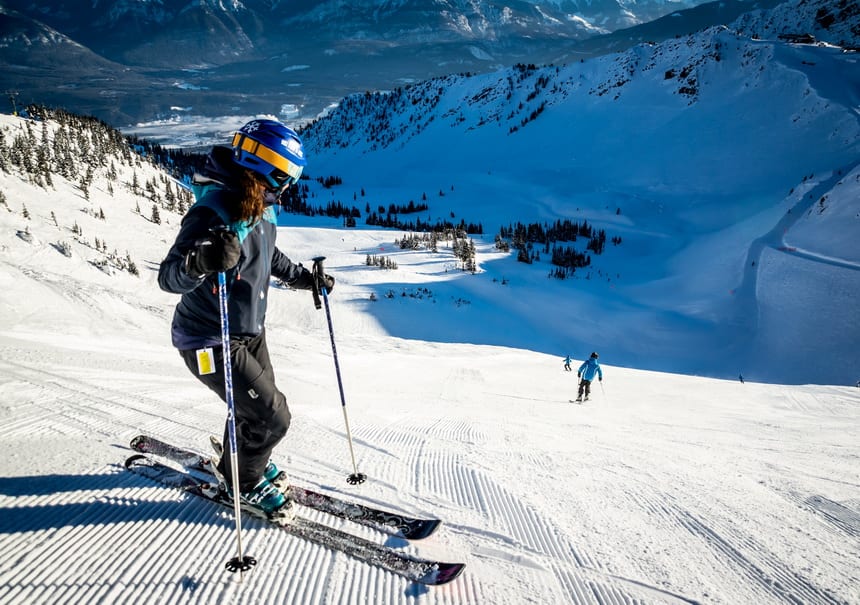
column 567, row 361
column 586, row 373
column 741, row 378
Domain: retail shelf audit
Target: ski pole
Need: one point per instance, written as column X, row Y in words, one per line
column 602, row 390
column 240, row 562
column 355, row 478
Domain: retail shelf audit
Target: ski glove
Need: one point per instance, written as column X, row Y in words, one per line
column 305, row 281
column 218, row 251
column 578, row 375
column 326, row 281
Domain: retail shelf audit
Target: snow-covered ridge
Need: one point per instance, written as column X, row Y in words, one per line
column 507, row 97
column 832, row 21
column 706, row 146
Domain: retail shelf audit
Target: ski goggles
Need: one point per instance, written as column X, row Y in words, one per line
column 284, row 172
column 279, row 179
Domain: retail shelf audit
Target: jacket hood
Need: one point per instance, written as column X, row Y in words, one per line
column 220, row 169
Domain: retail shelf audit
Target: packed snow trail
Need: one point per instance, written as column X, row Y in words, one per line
column 625, row 500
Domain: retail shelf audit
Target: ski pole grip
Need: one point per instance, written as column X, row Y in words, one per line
column 317, row 272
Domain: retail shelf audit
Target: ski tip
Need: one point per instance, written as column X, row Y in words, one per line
column 133, row 460
column 442, row 573
column 425, row 529
column 137, row 443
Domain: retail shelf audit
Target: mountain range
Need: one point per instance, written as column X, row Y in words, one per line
column 134, row 61
column 724, row 163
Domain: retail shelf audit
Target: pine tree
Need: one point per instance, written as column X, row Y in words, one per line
column 129, row 264
column 170, row 197
column 182, row 208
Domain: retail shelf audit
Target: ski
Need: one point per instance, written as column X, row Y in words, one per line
column 430, row 573
column 408, row 527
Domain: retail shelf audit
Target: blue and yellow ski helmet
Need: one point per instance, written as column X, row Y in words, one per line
column 272, row 150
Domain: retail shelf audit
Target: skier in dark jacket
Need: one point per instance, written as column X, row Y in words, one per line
column 586, row 372
column 231, row 228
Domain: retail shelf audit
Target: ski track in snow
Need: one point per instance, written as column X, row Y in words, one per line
column 842, row 519
column 527, row 539
column 655, row 491
column 741, row 552
column 140, row 523
column 117, row 537
column 88, row 408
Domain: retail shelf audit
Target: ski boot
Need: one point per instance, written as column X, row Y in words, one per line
column 276, row 476
column 264, row 498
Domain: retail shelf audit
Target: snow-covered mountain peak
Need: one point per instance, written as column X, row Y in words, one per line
column 832, row 21
column 709, row 136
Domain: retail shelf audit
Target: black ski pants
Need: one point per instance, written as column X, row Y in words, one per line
column 584, row 386
column 262, row 414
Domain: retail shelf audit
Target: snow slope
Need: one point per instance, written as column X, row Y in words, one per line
column 704, row 154
column 664, row 488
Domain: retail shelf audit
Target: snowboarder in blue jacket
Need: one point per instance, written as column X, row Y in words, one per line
column 586, row 373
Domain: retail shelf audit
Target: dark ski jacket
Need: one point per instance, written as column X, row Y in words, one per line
column 197, row 319
column 589, row 368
